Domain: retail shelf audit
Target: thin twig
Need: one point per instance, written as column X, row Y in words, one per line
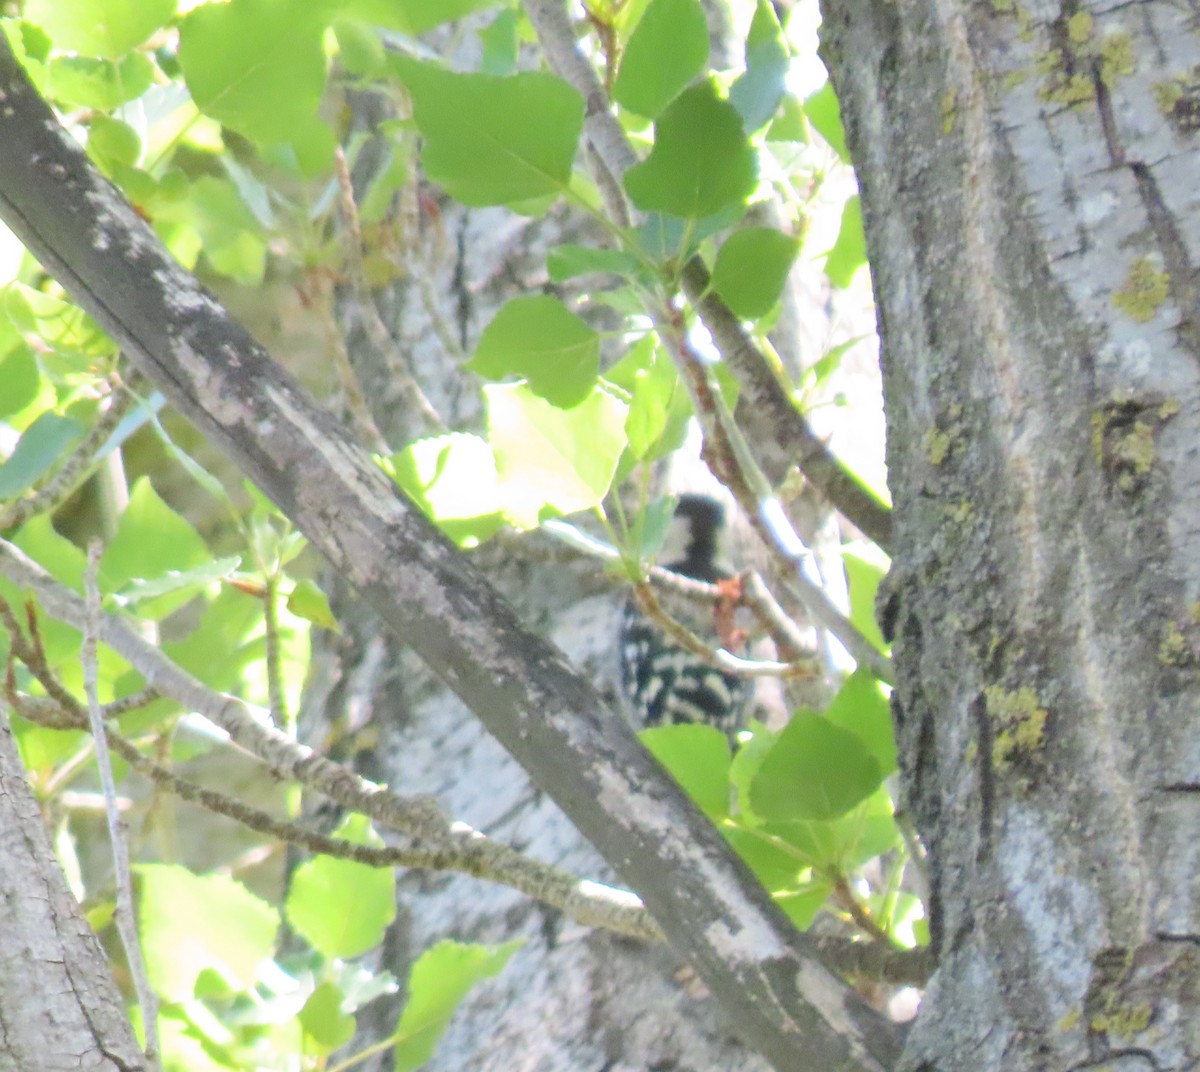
column 633, row 922
column 781, row 435
column 718, row 657
column 321, row 300
column 76, row 468
column 845, row 897
column 275, row 692
column 416, row 403
column 874, row 960
column 124, row 912
column 734, row 464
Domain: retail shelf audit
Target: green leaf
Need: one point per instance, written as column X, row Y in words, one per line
column 70, row 332
column 57, row 555
column 257, row 66
column 323, row 1020
column 816, row 770
column 539, row 339
column 413, row 16
column 849, row 252
column 500, row 43
column 659, row 408
column 757, row 92
column 100, row 84
column 568, row 261
column 440, row 979
column 494, row 141
column 452, row 478
column 700, row 163
column 823, row 112
column 232, row 236
column 698, row 758
column 864, row 571
column 151, row 541
column 802, row 905
column 21, row 378
column 39, row 449
column 307, row 601
column 107, row 28
column 752, row 268
column 112, row 144
column 182, row 584
column 360, row 50
column 192, row 923
column 220, row 648
column 551, row 459
column 666, row 237
column 322, row 888
column 861, row 708
column 774, row 863
column 668, row 48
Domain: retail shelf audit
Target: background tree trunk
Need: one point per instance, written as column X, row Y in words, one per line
column 1029, row 193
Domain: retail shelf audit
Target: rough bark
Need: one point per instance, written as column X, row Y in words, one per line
column 544, row 714
column 60, row 1010
column 1028, row 182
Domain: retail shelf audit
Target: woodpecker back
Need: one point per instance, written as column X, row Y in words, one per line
column 664, row 683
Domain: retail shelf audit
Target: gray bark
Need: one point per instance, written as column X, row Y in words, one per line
column 59, row 1008
column 1028, row 181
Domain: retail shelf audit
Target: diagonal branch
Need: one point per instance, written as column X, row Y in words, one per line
column 766, row 976
column 781, row 435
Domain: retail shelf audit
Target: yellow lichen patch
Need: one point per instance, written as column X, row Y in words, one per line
column 1069, row 1020
column 1018, row 76
column 1172, row 649
column 937, row 445
column 949, row 109
column 961, row 512
column 1018, row 722
column 1116, row 57
column 1136, row 448
column 1166, row 93
column 1099, row 423
column 1144, row 290
column 1080, row 27
column 1124, row 1021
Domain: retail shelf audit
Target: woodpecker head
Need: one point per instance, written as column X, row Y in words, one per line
column 693, row 540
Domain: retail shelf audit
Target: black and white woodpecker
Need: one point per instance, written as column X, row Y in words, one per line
column 662, row 682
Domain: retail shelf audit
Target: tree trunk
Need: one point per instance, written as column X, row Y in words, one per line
column 1026, row 187
column 59, row 1009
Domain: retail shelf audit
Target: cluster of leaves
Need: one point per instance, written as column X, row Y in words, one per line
column 232, row 1001
column 806, row 806
column 212, row 121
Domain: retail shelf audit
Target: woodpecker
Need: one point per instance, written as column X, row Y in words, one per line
column 662, row 682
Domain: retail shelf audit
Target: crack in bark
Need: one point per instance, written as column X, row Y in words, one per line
column 1181, row 273
column 987, row 778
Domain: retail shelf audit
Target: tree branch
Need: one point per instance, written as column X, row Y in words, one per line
column 766, row 976
column 440, row 843
column 781, row 436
